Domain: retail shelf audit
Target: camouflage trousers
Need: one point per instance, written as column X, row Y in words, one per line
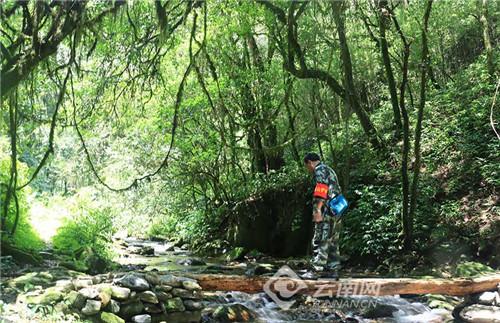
column 325, row 243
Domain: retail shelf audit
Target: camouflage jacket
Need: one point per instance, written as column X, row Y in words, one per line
column 327, row 183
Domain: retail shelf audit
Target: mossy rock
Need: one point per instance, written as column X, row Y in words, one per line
column 28, row 280
column 111, row 318
column 75, row 300
column 174, row 305
column 471, row 269
column 50, row 296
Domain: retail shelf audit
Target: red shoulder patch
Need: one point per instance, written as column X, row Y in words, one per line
column 321, row 191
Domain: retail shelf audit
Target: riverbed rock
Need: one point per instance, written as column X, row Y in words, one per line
column 152, row 278
column 133, row 282
column 82, row 283
column 442, row 301
column 170, row 280
column 478, row 313
column 131, row 309
column 183, row 293
column 192, row 305
column 105, row 293
column 91, row 307
column 51, row 295
column 191, row 285
column 75, row 300
column 65, row 284
column 152, row 308
column 191, row 262
column 147, row 251
column 30, row 279
column 144, row 318
column 107, row 317
column 162, row 296
column 174, row 305
column 379, row 311
column 61, row 307
column 489, row 298
column 89, row 292
column 233, row 313
column 113, row 307
column 148, row 296
column 120, row 293
column 178, row 317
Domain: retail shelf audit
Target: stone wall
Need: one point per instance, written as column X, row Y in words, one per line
column 124, row 297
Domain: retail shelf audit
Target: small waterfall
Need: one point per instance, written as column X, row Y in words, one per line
column 349, row 309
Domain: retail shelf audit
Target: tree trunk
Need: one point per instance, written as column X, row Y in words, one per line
column 349, row 286
column 351, row 95
column 384, row 48
column 418, row 127
column 486, row 37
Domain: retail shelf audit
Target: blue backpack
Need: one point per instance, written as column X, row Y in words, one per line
column 338, row 205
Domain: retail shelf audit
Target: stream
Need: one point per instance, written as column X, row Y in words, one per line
column 164, row 256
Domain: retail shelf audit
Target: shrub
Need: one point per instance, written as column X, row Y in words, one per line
column 86, row 235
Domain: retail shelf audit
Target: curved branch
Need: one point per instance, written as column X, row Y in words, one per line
column 164, row 163
column 50, row 149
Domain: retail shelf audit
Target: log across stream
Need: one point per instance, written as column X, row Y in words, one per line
column 347, row 286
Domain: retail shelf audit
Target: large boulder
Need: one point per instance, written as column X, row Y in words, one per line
column 91, row 307
column 171, row 280
column 89, row 292
column 120, row 293
column 148, row 297
column 131, row 309
column 489, row 298
column 134, row 282
column 478, row 313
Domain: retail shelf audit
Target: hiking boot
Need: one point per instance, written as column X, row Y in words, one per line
column 310, row 274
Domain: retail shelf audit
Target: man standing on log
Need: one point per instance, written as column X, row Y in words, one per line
column 325, row 242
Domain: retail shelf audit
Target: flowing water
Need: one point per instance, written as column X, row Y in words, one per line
column 352, row 309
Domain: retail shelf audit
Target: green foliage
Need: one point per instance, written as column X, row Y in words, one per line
column 471, row 269
column 87, row 233
column 372, row 227
column 25, row 237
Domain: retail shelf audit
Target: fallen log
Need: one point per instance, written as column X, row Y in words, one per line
column 347, row 286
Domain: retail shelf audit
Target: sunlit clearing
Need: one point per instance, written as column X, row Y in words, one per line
column 46, row 219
